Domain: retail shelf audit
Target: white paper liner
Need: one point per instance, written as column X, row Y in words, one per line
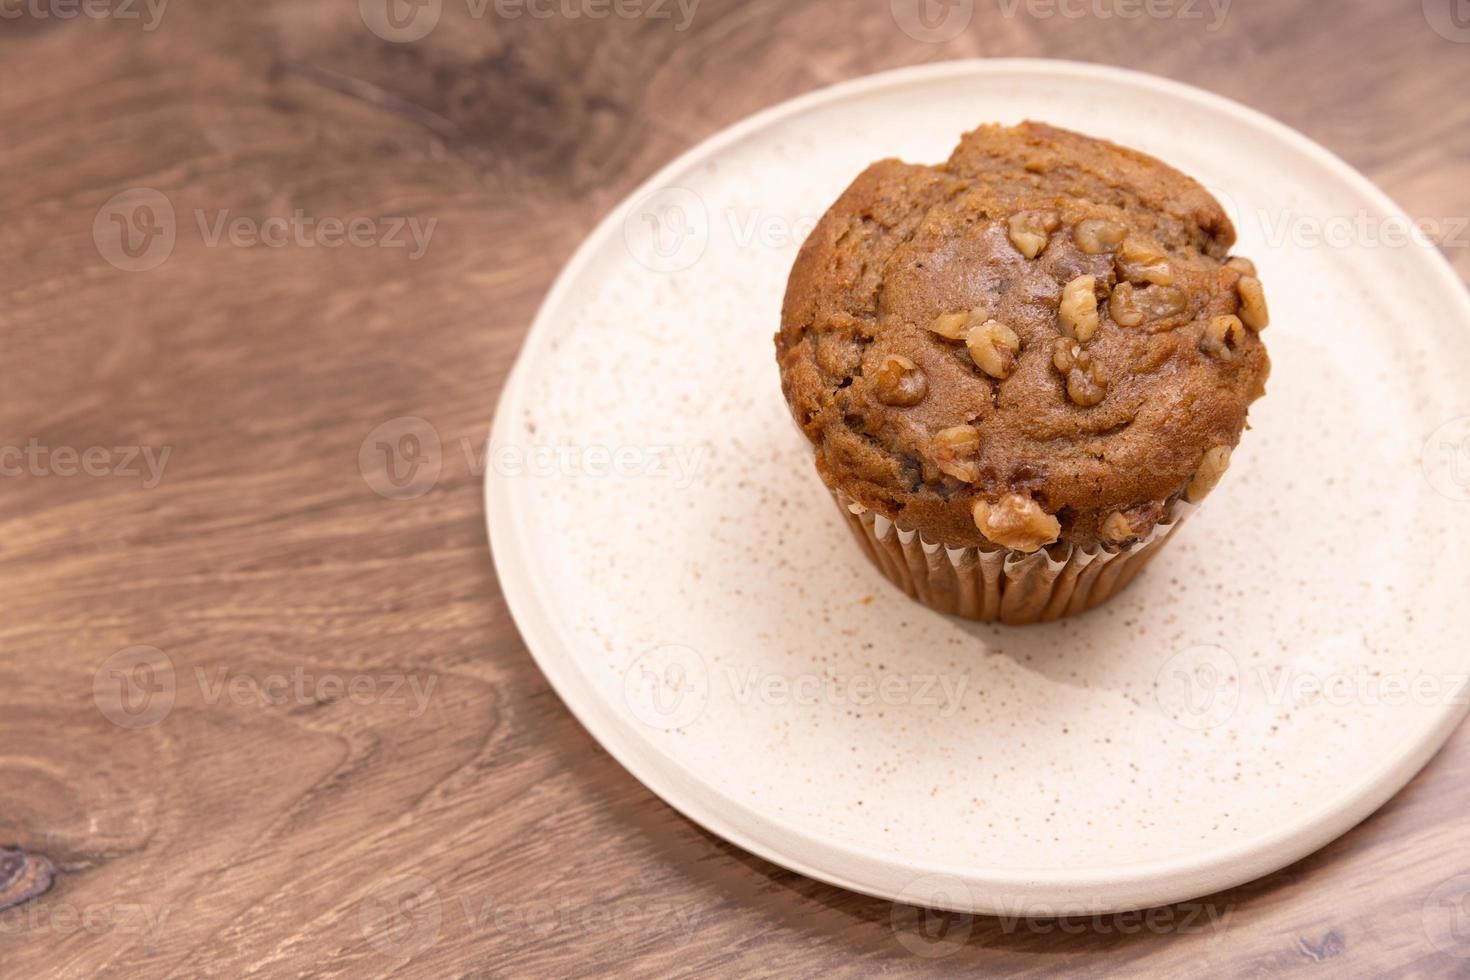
column 1002, row 585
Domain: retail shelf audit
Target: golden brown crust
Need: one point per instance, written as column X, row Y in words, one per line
column 1094, row 415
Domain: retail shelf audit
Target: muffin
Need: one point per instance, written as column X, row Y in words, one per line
column 1020, row 369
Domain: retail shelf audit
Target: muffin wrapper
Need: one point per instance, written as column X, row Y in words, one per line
column 1002, row 585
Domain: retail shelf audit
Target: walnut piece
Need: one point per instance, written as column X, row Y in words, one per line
column 1065, row 353
column 1158, row 306
column 993, row 347
column 1223, row 337
column 1216, row 461
column 1142, row 260
column 1117, row 528
column 1098, row 235
column 1078, row 312
column 1016, row 521
column 899, row 381
column 1126, row 526
column 954, row 326
column 1123, row 305
column 956, row 448
column 1030, row 231
column 1086, row 381
column 1086, row 388
column 1158, row 302
column 1253, row 310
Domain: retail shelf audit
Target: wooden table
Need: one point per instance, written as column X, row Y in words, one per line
column 262, row 707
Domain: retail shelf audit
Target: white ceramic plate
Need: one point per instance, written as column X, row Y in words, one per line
column 1288, row 663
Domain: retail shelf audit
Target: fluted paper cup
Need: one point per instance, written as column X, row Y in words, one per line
column 1002, row 585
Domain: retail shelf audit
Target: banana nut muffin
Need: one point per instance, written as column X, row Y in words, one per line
column 1042, row 342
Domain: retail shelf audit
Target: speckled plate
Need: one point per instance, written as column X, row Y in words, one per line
column 1287, row 664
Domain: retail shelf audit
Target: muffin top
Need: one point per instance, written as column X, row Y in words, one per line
column 1042, row 341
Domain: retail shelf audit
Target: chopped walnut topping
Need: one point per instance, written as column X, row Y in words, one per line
column 1142, row 260
column 899, row 381
column 1132, row 524
column 1117, row 528
column 1078, row 312
column 1223, row 337
column 1086, row 388
column 953, row 326
column 1158, row 302
column 1131, row 306
column 1086, row 381
column 1098, row 235
column 1123, row 305
column 993, row 347
column 1211, row 468
column 1253, row 310
column 1017, row 522
column 1065, row 352
column 1030, row 231
column 956, row 448
column 1242, row 265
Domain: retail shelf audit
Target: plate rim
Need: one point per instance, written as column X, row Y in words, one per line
column 868, row 870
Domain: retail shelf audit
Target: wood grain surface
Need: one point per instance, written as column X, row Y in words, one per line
column 262, row 708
